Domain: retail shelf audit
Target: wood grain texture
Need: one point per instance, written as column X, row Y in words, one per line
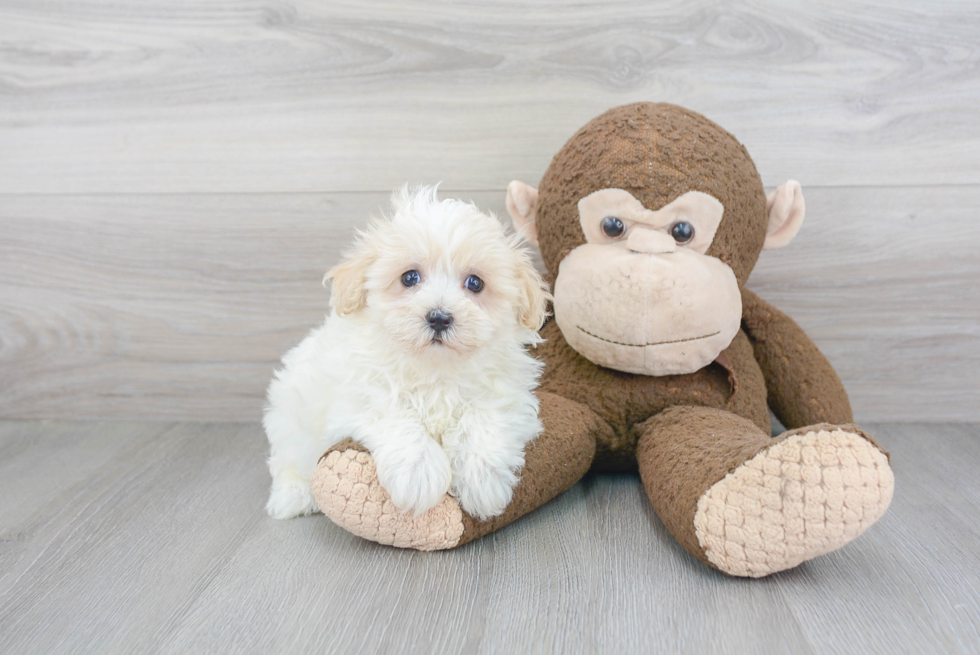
column 179, row 306
column 151, row 538
column 308, row 96
column 157, row 255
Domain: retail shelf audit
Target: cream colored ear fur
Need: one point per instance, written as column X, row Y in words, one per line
column 534, row 296
column 347, row 292
column 522, row 205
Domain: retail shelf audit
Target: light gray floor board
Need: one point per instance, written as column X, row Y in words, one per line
column 157, row 543
column 123, row 552
column 303, row 95
column 178, row 307
column 918, row 578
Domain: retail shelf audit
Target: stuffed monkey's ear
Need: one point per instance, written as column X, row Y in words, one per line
column 786, row 209
column 347, row 292
column 522, row 205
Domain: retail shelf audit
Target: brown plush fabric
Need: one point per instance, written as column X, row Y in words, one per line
column 552, row 463
column 657, row 152
column 803, row 387
column 748, row 401
column 682, row 452
column 622, row 400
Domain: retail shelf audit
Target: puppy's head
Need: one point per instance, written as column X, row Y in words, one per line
column 441, row 277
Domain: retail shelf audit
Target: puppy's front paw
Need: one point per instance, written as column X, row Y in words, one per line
column 291, row 496
column 416, row 478
column 483, row 490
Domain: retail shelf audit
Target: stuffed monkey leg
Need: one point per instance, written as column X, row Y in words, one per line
column 748, row 504
column 346, row 486
column 802, row 386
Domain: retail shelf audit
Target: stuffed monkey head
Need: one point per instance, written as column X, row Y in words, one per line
column 649, row 221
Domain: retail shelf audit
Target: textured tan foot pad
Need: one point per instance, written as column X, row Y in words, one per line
column 347, row 490
column 805, row 496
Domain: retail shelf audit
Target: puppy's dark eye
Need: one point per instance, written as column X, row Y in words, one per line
column 410, row 278
column 474, row 284
column 613, row 227
column 682, row 231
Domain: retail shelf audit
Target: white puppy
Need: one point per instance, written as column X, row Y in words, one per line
column 423, row 361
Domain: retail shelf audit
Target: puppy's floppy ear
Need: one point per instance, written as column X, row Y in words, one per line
column 534, row 295
column 522, row 205
column 347, row 292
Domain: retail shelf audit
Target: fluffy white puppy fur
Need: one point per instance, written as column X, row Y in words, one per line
column 423, row 360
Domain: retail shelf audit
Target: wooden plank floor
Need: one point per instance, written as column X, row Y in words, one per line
column 150, row 537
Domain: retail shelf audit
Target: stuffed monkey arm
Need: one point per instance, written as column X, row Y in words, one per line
column 803, row 388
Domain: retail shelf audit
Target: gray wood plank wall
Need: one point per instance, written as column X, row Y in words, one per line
column 176, row 176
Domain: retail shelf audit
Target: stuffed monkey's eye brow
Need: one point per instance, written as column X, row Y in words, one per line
column 613, row 227
column 682, row 231
column 410, row 278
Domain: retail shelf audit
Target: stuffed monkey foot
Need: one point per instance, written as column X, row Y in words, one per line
column 346, row 487
column 750, row 505
column 807, row 495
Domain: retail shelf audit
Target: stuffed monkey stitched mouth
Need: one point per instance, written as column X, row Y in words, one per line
column 650, row 220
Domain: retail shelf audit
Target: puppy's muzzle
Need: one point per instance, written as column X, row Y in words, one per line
column 439, row 320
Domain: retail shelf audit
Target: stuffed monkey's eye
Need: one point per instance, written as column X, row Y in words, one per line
column 410, row 278
column 682, row 231
column 474, row 284
column 613, row 227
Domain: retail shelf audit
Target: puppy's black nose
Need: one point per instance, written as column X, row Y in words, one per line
column 439, row 320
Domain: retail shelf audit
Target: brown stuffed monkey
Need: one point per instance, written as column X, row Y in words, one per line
column 650, row 220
